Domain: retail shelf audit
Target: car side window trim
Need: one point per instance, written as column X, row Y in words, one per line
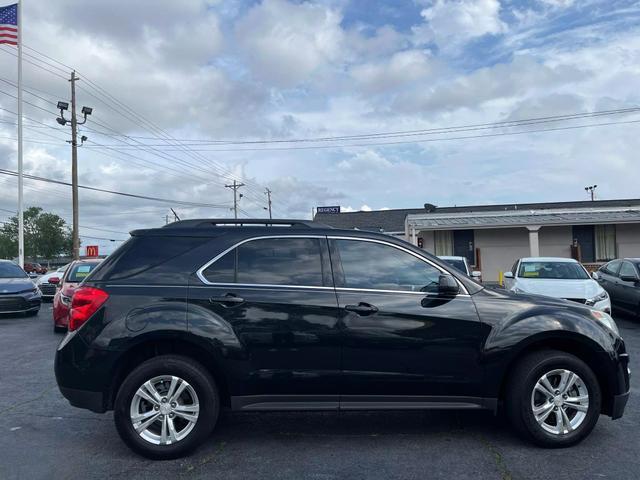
column 463, row 289
column 203, row 279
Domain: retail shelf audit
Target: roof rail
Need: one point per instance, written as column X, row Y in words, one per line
column 226, row 222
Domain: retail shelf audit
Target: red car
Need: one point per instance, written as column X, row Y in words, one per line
column 35, row 268
column 76, row 273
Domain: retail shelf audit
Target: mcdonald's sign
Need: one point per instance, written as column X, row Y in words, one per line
column 92, row 250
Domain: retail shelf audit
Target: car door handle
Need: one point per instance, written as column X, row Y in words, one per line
column 227, row 300
column 362, row 308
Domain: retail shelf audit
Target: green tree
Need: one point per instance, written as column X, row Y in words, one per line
column 46, row 235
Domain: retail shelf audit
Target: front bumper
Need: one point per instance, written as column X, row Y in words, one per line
column 620, row 383
column 48, row 290
column 93, row 401
column 19, row 303
column 619, row 404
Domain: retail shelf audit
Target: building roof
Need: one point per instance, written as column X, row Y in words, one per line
column 377, row 220
column 512, row 218
column 475, row 216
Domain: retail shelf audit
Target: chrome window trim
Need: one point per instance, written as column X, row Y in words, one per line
column 377, row 290
column 406, row 250
column 203, row 279
column 200, row 271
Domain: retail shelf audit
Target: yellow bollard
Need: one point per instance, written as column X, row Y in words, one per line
column 501, row 278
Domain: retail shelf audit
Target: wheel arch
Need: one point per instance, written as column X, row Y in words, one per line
column 153, row 347
column 580, row 346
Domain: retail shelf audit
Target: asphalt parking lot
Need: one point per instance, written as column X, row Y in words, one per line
column 42, row 436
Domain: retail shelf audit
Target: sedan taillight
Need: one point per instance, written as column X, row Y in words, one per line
column 84, row 303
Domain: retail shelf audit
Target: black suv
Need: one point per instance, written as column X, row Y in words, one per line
column 291, row 315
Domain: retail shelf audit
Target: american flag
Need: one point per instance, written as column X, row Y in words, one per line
column 9, row 24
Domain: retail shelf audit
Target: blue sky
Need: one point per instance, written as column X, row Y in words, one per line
column 280, row 70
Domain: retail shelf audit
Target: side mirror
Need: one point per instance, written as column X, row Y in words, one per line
column 595, row 276
column 448, row 285
column 476, row 274
column 54, row 280
column 508, row 275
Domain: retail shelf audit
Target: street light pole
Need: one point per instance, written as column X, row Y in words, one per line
column 74, row 157
column 591, row 189
column 74, row 168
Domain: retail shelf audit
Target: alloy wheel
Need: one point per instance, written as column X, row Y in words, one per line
column 560, row 401
column 164, row 410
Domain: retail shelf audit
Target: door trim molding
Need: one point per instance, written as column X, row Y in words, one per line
column 265, row 403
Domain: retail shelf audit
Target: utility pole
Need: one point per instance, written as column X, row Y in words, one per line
column 74, row 168
column 268, row 193
column 591, row 189
column 74, row 156
column 235, row 188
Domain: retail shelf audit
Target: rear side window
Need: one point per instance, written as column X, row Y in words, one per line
column 628, row 270
column 271, row 261
column 150, row 259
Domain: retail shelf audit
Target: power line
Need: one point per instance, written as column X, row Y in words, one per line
column 428, row 140
column 411, row 133
column 113, row 192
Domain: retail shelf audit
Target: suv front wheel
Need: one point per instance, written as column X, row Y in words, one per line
column 166, row 407
column 553, row 398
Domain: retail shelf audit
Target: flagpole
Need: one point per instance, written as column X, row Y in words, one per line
column 20, row 179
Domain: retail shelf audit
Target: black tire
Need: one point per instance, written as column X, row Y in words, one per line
column 522, row 381
column 208, row 399
column 31, row 313
column 57, row 329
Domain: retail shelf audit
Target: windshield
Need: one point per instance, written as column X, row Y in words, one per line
column 81, row 271
column 11, row 270
column 457, row 264
column 555, row 270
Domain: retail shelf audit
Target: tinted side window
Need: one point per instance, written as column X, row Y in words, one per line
column 222, row 270
column 628, row 269
column 271, row 261
column 149, row 259
column 377, row 266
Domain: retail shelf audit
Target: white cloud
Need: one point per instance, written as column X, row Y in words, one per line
column 366, row 163
column 399, row 69
column 286, row 43
column 524, row 76
column 452, row 23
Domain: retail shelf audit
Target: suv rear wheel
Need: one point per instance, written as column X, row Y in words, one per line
column 553, row 398
column 166, row 407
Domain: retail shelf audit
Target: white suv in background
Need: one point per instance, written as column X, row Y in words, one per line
column 557, row 277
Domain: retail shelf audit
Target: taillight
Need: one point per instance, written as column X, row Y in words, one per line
column 84, row 303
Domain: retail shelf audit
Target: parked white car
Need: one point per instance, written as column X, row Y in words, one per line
column 557, row 277
column 461, row 264
column 47, row 288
